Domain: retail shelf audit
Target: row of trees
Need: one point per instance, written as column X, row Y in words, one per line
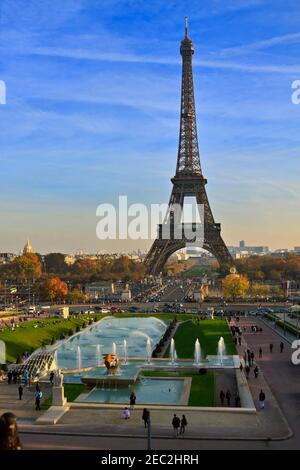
column 235, row 286
column 270, row 268
column 32, row 267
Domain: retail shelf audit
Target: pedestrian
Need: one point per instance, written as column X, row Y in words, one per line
column 183, row 424
column 9, row 438
column 51, row 377
column 176, row 424
column 240, row 341
column 132, row 399
column 256, row 372
column 262, row 398
column 281, row 347
column 237, row 401
column 252, row 356
column 241, row 367
column 222, row 397
column 126, row 413
column 20, row 390
column 228, row 397
column 271, row 348
column 9, row 377
column 145, row 416
column 38, row 396
column 260, row 353
column 247, row 370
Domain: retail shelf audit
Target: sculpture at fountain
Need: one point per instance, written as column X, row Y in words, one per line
column 111, row 361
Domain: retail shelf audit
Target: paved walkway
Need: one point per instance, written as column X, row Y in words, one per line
column 282, row 377
column 24, row 409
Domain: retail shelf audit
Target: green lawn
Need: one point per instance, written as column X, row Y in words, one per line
column 202, row 389
column 72, row 391
column 32, row 335
column 208, row 332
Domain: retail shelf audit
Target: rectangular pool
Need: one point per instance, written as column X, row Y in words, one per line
column 149, row 391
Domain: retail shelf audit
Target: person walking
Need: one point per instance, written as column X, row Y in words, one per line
column 256, row 372
column 260, row 352
column 176, row 424
column 222, row 397
column 228, row 397
column 132, row 399
column 247, row 370
column 38, row 396
column 252, row 356
column 145, row 417
column 183, row 424
column 262, row 398
column 240, row 341
column 9, row 437
column 20, row 390
column 51, row 377
column 271, row 348
column 281, row 346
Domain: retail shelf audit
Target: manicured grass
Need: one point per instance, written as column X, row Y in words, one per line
column 32, row 335
column 208, row 332
column 72, row 391
column 202, row 389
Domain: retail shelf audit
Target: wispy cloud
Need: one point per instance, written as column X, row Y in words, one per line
column 293, row 38
column 81, row 54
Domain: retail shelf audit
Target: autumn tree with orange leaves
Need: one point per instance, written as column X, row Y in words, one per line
column 53, row 289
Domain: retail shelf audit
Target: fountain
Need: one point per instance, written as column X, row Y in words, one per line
column 125, row 351
column 79, row 361
column 221, row 350
column 98, row 355
column 55, row 358
column 149, row 349
column 173, row 351
column 114, row 349
column 197, row 353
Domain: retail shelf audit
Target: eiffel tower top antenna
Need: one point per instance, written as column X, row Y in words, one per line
column 186, row 26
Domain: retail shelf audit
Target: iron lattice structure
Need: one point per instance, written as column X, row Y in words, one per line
column 188, row 180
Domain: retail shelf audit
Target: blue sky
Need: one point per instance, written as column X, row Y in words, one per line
column 93, row 92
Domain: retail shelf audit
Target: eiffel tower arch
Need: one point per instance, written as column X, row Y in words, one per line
column 188, row 181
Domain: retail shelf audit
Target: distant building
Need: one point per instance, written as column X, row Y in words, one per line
column 27, row 248
column 243, row 250
column 6, row 257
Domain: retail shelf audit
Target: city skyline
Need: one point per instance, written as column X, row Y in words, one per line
column 94, row 113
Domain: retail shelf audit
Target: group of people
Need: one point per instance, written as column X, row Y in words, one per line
column 15, row 377
column 227, row 396
column 178, row 424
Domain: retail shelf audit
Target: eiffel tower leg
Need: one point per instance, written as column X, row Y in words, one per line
column 159, row 253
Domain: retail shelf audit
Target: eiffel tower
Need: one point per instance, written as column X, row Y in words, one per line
column 188, row 181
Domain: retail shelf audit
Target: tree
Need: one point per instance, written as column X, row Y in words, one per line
column 76, row 296
column 26, row 266
column 260, row 290
column 55, row 263
column 235, row 285
column 54, row 289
